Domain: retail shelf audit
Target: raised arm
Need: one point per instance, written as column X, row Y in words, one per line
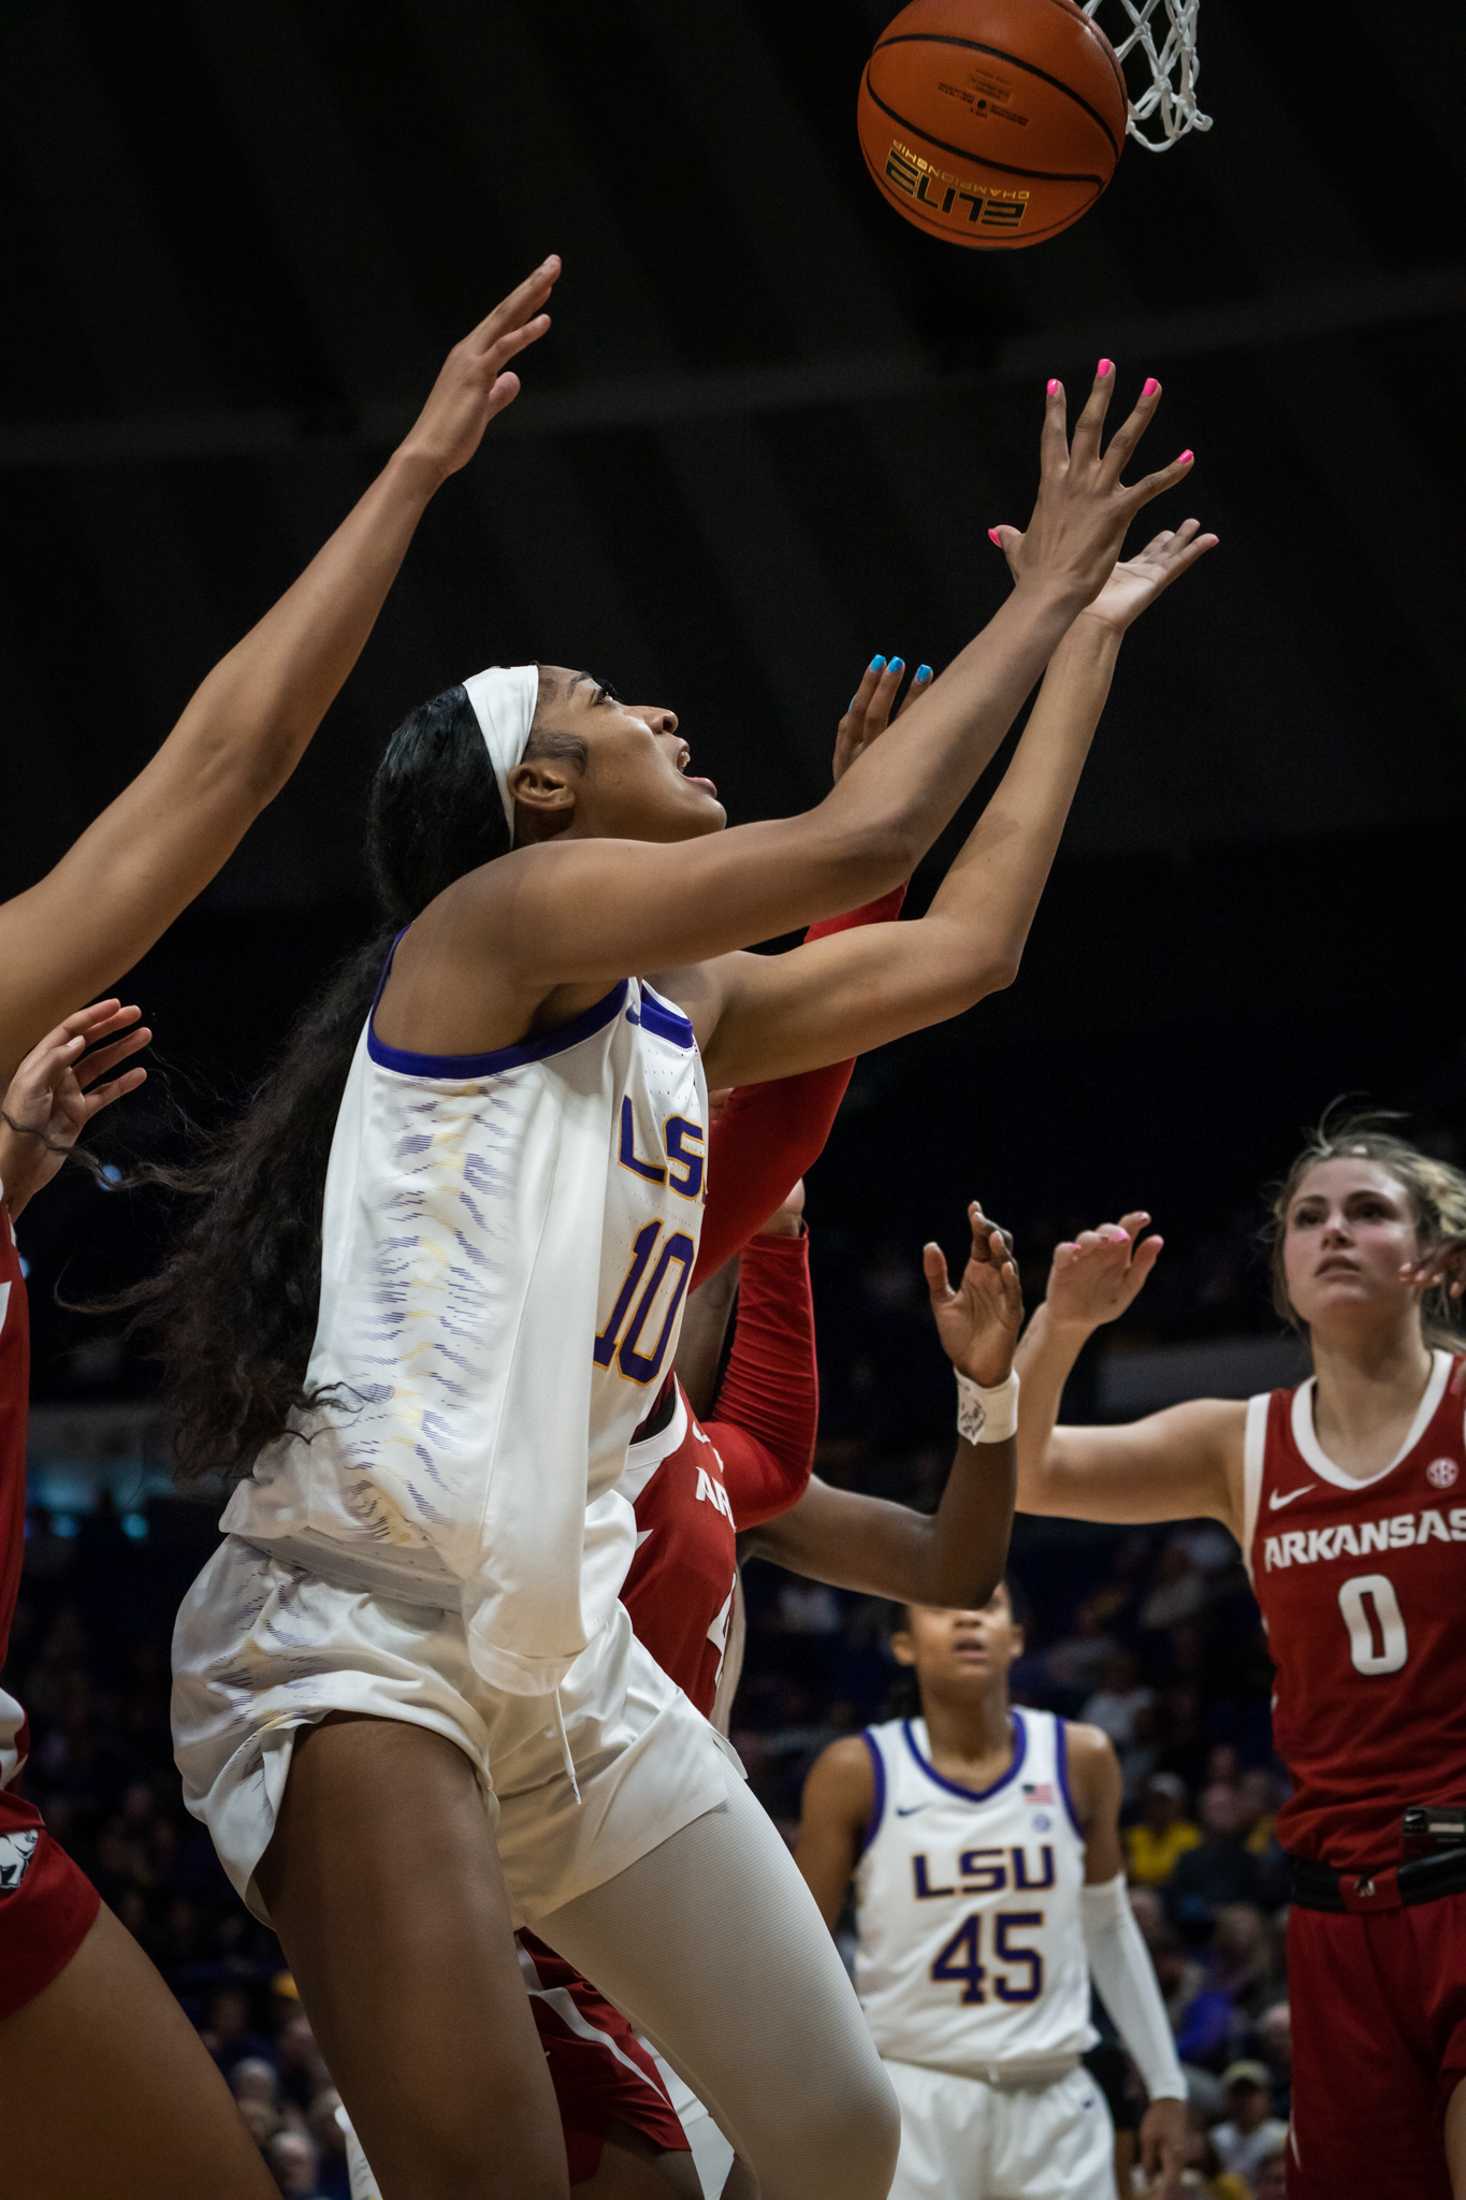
column 766, row 1137
column 164, row 837
column 1181, row 1464
column 956, row 1555
column 784, row 1012
column 661, row 906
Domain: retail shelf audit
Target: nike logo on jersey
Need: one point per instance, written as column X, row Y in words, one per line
column 1277, row 1499
column 909, row 1810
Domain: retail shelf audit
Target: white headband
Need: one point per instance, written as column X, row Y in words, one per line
column 504, row 699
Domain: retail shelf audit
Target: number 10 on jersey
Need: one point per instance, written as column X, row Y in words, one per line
column 648, row 1281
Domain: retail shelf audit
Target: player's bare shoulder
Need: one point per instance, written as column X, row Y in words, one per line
column 1095, row 1782
column 1091, row 1752
column 841, row 1781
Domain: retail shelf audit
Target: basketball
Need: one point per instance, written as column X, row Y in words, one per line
column 992, row 123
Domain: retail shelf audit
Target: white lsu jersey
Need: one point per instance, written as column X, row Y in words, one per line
column 507, row 1240
column 969, row 1947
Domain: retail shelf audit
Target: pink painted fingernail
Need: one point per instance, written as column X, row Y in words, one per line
column 1185, row 458
column 1053, row 384
column 994, row 536
column 1106, row 366
column 1151, row 386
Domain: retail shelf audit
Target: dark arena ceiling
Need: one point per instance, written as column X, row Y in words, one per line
column 773, row 421
column 766, row 438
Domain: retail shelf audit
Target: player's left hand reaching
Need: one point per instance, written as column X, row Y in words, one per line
column 476, row 383
column 873, row 706
column 1094, row 1277
column 978, row 1323
column 1136, row 582
column 1163, row 2149
column 60, row 1087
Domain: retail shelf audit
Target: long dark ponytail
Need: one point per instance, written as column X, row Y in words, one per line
column 234, row 1307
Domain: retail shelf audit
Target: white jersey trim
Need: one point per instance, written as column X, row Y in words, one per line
column 973, row 1795
column 1254, row 1458
column 563, row 2003
column 1305, row 1436
column 663, row 1017
column 12, row 1733
column 535, row 1046
column 644, row 1458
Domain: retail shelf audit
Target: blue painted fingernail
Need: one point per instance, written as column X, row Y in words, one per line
column 878, row 664
column 898, row 664
column 923, row 672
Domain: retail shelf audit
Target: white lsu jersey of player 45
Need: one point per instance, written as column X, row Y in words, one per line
column 970, row 1950
column 506, row 1246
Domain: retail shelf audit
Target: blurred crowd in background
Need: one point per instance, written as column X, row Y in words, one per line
column 1151, row 1634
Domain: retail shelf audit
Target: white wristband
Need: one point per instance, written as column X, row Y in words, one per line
column 986, row 1416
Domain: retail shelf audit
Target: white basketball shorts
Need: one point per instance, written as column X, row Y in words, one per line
column 262, row 1648
column 962, row 2139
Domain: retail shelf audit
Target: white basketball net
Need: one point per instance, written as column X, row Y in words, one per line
column 1163, row 35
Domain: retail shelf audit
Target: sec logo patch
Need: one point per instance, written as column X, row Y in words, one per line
column 16, row 1851
column 1442, row 1474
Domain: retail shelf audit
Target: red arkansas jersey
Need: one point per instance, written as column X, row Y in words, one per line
column 14, row 1391
column 693, row 1487
column 679, row 1590
column 1362, row 1586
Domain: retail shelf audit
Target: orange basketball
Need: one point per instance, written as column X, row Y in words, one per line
column 992, row 123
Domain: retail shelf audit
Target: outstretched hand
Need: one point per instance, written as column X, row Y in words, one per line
column 872, row 707
column 1084, row 508
column 1136, row 582
column 476, row 383
column 59, row 1088
column 978, row 1323
column 1094, row 1277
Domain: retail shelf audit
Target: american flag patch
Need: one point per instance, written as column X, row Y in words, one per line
column 1038, row 1791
